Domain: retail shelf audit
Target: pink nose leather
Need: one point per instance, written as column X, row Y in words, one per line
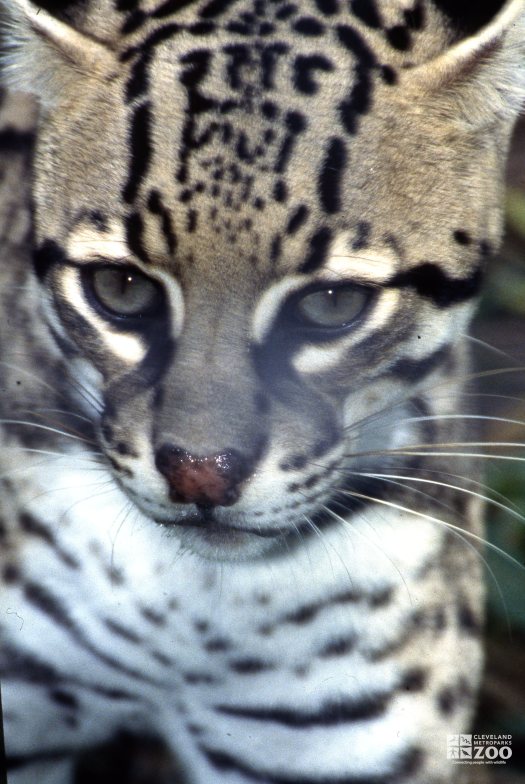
column 205, row 481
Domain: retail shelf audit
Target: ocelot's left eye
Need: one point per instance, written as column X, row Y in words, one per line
column 124, row 292
column 332, row 308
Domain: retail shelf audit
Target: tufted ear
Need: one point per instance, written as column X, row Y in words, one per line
column 481, row 77
column 45, row 56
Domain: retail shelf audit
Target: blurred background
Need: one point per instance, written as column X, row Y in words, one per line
column 501, row 364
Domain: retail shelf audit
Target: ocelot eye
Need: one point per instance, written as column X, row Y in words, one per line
column 333, row 307
column 124, row 292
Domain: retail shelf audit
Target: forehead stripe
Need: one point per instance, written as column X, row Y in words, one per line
column 319, row 244
column 140, row 151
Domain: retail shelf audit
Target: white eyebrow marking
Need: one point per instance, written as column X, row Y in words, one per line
column 86, row 243
column 377, row 267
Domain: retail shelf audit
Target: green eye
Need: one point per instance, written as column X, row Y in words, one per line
column 332, row 308
column 122, row 291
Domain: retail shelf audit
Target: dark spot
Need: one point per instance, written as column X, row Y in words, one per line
column 446, row 701
column 388, row 74
column 399, row 37
column 297, row 219
column 295, row 463
column 249, row 666
column 304, row 72
column 319, row 244
column 11, row 573
column 327, row 7
column 270, row 110
column 339, row 647
column 65, row 698
column 280, row 191
column 462, row 237
column 366, row 11
column 153, row 616
column 308, row 25
column 295, row 122
column 195, row 678
column 467, row 620
column 382, row 598
column 191, row 223
column 218, row 645
column 312, row 481
column 413, row 680
column 302, row 615
column 362, row 238
column 415, row 17
column 275, row 249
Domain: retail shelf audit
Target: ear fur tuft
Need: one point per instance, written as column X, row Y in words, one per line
column 482, row 77
column 45, row 56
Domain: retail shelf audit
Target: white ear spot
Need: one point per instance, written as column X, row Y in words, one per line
column 45, row 56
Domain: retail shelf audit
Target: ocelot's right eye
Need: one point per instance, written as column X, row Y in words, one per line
column 123, row 292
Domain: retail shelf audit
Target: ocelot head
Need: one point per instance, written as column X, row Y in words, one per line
column 260, row 227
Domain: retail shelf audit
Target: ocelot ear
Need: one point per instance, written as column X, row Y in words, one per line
column 45, row 56
column 481, row 76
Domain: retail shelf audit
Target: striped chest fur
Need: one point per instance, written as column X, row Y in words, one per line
column 234, row 358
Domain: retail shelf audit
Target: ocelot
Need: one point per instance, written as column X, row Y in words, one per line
column 236, row 514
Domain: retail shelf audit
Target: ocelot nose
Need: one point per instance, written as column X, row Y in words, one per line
column 206, row 481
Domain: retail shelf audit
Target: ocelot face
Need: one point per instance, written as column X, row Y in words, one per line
column 249, row 282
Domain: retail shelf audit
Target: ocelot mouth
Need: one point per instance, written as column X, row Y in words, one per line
column 205, row 519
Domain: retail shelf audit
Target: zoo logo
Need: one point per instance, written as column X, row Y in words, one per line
column 479, row 749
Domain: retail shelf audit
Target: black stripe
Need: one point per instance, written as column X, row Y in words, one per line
column 45, row 256
column 138, row 81
column 307, row 612
column 12, row 140
column 30, row 525
column 30, row 669
column 330, row 176
column 295, row 124
column 432, row 282
column 330, row 714
column 43, row 600
column 359, row 101
column 169, row 7
column 156, row 206
column 134, row 231
column 140, row 151
column 297, row 219
column 316, row 257
column 216, row 8
column 304, row 70
column 366, row 11
column 121, row 631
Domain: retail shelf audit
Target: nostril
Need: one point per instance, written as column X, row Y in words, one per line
column 213, row 480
